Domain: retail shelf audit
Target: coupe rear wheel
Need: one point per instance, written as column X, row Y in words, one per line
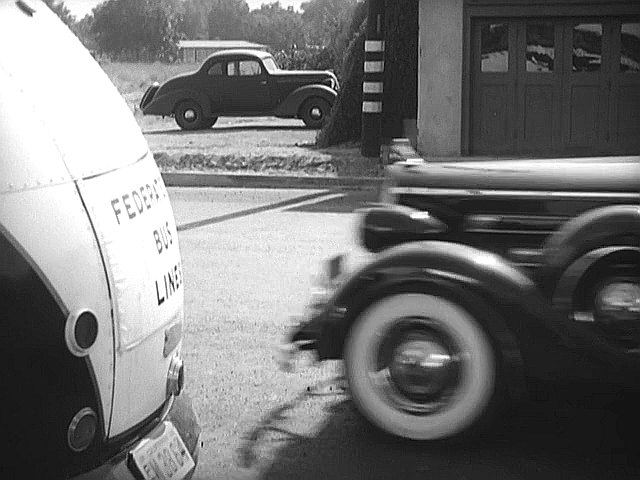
column 188, row 116
column 314, row 112
column 421, row 367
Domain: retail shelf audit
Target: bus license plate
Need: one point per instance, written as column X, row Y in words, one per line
column 165, row 457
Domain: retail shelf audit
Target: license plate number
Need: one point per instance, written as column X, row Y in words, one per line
column 163, row 458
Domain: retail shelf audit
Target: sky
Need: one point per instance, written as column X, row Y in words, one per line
column 80, row 8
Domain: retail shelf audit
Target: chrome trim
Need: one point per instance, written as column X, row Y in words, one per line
column 529, row 224
column 465, row 192
column 70, row 337
column 175, row 377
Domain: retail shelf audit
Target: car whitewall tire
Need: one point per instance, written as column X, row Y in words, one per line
column 468, row 396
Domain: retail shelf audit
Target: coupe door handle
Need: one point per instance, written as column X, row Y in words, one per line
column 263, row 82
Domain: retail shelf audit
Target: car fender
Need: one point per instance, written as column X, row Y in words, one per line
column 570, row 278
column 290, row 106
column 452, row 268
column 165, row 103
column 593, row 229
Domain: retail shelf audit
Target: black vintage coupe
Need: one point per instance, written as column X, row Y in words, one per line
column 489, row 281
column 242, row 83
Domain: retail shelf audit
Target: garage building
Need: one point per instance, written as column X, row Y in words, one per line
column 516, row 77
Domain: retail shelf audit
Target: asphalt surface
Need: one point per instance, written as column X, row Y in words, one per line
column 248, row 256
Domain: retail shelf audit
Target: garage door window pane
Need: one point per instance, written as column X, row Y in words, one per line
column 494, row 46
column 587, row 47
column 630, row 48
column 541, row 52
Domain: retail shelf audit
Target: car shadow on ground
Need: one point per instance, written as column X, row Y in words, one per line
column 225, row 128
column 539, row 441
column 347, row 202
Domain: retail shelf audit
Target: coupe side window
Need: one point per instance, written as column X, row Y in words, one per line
column 215, row 70
column 249, row 68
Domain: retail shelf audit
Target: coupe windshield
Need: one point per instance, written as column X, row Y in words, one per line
column 270, row 64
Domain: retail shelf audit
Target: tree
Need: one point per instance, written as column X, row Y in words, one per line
column 195, row 24
column 139, row 29
column 328, row 26
column 325, row 18
column 280, row 28
column 61, row 10
column 226, row 19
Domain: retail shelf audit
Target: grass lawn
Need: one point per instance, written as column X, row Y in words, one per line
column 134, row 78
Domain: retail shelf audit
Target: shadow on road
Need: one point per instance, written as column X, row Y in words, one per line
column 347, row 203
column 539, row 442
column 226, row 128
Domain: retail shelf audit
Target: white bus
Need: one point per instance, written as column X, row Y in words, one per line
column 91, row 286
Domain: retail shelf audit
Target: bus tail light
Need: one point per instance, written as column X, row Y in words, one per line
column 82, row 429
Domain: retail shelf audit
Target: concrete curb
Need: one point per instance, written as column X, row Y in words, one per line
column 202, row 179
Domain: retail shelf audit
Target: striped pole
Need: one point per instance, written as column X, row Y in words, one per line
column 372, row 85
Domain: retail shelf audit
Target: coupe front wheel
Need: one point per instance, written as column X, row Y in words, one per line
column 421, row 367
column 188, row 115
column 210, row 122
column 314, row 112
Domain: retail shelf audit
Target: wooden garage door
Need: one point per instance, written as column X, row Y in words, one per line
column 555, row 86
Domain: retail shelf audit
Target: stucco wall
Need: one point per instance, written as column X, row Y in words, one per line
column 440, row 77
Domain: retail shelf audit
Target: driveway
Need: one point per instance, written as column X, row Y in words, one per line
column 248, row 256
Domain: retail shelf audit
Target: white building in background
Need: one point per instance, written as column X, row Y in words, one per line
column 195, row 51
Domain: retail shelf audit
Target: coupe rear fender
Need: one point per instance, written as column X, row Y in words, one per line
column 290, row 106
column 165, row 103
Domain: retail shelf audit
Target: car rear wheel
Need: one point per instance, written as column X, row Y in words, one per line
column 601, row 302
column 421, row 367
column 188, row 116
column 314, row 112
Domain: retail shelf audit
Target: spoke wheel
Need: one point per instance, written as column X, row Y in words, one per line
column 608, row 301
column 420, row 366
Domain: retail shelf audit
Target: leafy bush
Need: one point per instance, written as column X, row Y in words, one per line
column 304, row 59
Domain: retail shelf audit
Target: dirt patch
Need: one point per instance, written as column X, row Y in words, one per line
column 265, row 146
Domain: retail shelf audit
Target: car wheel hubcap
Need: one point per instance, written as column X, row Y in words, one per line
column 422, row 370
column 190, row 115
column 620, row 301
column 316, row 113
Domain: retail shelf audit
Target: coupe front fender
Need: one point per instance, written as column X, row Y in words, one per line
column 165, row 103
column 290, row 106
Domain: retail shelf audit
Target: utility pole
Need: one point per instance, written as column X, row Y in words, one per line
column 372, row 85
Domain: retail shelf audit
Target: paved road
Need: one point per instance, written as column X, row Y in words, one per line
column 248, row 256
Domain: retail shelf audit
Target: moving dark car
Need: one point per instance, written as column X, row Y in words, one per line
column 242, row 83
column 489, row 281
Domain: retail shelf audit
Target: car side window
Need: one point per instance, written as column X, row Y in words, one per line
column 215, row 70
column 231, row 69
column 249, row 68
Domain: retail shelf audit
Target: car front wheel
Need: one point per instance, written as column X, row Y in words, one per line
column 421, row 367
column 314, row 112
column 210, row 122
column 188, row 116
